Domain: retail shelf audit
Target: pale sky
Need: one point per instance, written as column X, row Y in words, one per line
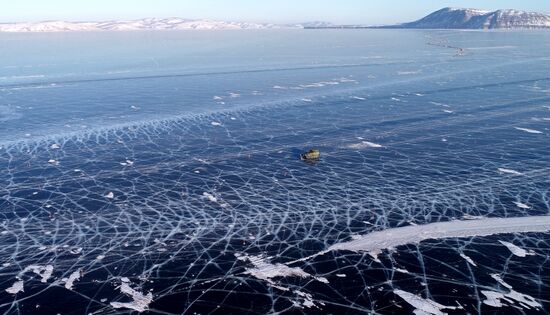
column 273, row 11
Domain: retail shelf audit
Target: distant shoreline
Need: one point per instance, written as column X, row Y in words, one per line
column 446, row 18
column 423, row 28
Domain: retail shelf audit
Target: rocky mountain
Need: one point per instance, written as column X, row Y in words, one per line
column 458, row 18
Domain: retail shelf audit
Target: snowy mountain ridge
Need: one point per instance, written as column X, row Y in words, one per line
column 134, row 25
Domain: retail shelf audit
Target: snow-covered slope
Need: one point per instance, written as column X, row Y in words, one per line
column 133, row 25
column 457, row 18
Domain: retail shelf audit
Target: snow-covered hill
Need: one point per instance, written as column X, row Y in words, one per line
column 133, row 25
column 458, row 18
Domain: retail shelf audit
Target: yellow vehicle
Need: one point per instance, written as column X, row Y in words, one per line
column 312, row 154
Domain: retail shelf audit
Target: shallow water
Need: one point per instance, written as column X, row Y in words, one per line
column 168, row 162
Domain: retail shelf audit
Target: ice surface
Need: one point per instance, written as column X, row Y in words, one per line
column 156, row 205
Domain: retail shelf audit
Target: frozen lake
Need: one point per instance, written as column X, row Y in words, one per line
column 159, row 172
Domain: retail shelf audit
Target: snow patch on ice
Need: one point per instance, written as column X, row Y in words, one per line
column 492, row 298
column 16, row 287
column 528, row 130
column 364, row 145
column 305, row 300
column 209, row 197
column 425, row 306
column 267, row 271
column 413, row 234
column 408, row 72
column 516, row 250
column 521, row 205
column 140, row 301
column 53, row 162
column 373, row 243
column 468, row 259
column 69, row 282
column 43, row 271
column 496, row 299
column 509, row 171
